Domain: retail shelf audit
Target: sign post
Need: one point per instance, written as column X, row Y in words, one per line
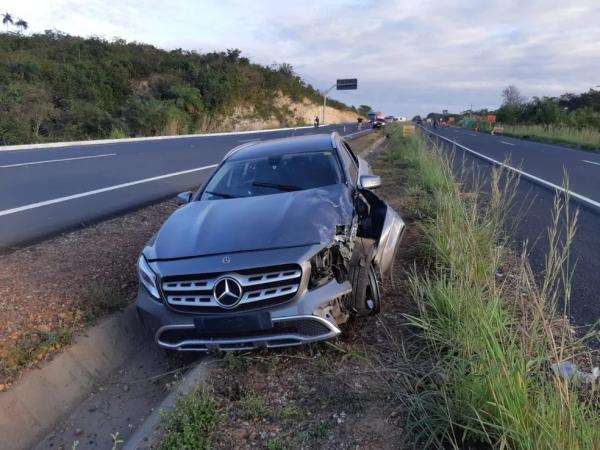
column 343, row 84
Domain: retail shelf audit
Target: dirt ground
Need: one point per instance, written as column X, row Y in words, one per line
column 334, row 395
column 52, row 290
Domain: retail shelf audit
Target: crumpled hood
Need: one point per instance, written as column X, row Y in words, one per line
column 264, row 222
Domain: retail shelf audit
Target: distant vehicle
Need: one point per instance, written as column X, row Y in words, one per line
column 378, row 123
column 372, row 116
column 400, row 119
column 390, row 119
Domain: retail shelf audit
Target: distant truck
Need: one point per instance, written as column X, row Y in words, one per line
column 373, row 116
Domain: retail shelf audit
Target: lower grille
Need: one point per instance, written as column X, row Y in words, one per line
column 259, row 287
column 285, row 332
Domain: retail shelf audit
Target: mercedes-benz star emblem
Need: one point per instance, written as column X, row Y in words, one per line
column 227, row 292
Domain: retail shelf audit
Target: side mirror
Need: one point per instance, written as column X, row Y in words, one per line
column 184, row 197
column 369, row 181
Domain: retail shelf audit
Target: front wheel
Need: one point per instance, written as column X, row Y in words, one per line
column 365, row 298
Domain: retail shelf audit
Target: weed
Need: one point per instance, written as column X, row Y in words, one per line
column 192, row 423
column 316, row 431
column 291, row 412
column 101, row 300
column 252, row 406
column 115, row 440
column 233, row 361
column 33, row 346
column 276, row 444
column 117, row 133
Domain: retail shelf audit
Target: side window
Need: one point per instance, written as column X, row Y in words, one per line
column 351, row 161
column 354, row 157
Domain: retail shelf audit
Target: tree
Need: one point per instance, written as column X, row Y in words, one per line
column 22, row 25
column 7, row 19
column 511, row 96
column 513, row 105
column 364, row 110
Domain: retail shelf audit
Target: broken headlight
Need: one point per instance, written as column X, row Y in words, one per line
column 320, row 268
column 327, row 264
column 147, row 277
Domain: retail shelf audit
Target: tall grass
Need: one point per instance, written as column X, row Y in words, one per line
column 492, row 332
column 585, row 137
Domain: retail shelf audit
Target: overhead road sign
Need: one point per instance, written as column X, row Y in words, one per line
column 346, row 84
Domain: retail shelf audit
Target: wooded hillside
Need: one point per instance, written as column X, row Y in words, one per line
column 56, row 87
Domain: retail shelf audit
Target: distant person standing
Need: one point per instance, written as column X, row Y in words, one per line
column 359, row 121
column 316, row 121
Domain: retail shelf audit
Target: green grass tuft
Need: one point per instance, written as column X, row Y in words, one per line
column 192, row 422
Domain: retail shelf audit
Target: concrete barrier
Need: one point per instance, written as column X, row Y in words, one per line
column 141, row 139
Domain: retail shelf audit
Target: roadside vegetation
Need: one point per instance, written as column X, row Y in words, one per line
column 570, row 119
column 192, row 423
column 588, row 138
column 461, row 355
column 492, row 332
column 56, row 87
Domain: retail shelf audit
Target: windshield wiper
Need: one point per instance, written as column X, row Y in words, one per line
column 221, row 194
column 280, row 187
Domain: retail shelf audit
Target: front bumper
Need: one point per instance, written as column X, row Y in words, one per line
column 303, row 320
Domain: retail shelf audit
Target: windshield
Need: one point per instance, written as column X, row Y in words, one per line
column 271, row 175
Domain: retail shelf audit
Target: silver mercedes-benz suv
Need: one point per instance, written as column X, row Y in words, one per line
column 280, row 246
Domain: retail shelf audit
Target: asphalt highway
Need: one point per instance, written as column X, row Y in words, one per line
column 534, row 203
column 46, row 191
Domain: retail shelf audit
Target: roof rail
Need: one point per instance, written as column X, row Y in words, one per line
column 334, row 137
column 238, row 148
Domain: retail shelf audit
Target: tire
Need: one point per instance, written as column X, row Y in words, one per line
column 365, row 297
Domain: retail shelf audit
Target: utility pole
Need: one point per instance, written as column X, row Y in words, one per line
column 343, row 84
column 325, row 101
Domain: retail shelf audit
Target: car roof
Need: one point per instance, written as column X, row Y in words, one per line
column 283, row 146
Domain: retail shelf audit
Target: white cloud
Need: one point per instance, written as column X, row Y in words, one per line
column 410, row 57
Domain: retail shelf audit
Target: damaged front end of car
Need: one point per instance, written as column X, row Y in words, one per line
column 283, row 304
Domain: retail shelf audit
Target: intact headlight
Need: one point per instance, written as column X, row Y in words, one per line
column 147, row 277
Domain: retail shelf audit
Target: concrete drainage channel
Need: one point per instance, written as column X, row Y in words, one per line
column 110, row 385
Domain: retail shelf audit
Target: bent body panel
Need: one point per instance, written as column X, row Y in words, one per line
column 392, row 230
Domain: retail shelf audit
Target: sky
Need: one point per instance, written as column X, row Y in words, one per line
column 410, row 57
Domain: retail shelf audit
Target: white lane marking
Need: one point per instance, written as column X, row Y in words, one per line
column 249, row 140
column 522, row 173
column 56, row 160
column 472, row 134
column 507, row 143
column 6, row 212
column 590, row 162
